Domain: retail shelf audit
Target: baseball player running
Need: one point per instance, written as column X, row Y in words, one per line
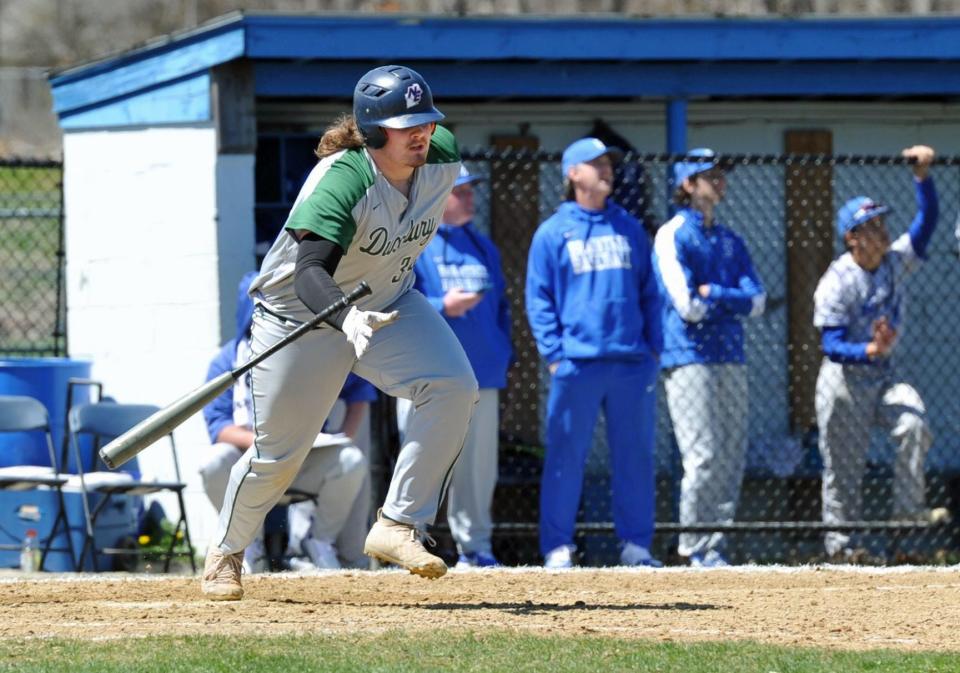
column 859, row 308
column 365, row 212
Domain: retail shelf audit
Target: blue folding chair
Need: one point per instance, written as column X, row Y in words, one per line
column 25, row 414
column 104, row 421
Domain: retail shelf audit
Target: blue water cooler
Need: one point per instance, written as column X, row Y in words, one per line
column 45, row 379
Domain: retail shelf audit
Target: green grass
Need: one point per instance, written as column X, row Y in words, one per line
column 29, row 178
column 443, row 651
column 29, row 241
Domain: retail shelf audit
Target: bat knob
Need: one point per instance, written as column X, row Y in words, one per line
column 107, row 460
column 361, row 290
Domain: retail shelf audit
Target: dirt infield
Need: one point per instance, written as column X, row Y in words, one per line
column 910, row 609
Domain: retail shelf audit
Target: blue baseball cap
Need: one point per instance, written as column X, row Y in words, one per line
column 587, row 149
column 687, row 169
column 856, row 211
column 465, row 178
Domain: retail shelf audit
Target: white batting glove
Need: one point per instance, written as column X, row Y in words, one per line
column 359, row 326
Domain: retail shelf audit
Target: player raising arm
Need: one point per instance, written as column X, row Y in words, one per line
column 859, row 308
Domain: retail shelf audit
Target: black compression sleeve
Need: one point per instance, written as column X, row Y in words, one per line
column 317, row 260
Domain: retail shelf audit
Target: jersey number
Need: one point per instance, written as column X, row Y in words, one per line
column 404, row 267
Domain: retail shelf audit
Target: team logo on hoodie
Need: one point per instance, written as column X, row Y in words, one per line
column 599, row 253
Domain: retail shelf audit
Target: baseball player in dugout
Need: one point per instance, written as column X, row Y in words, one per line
column 594, row 311
column 709, row 286
column 859, row 306
column 460, row 274
column 365, row 212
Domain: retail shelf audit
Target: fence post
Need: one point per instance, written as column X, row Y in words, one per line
column 676, row 141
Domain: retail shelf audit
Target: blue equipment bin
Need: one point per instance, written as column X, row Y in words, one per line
column 22, row 510
column 44, row 379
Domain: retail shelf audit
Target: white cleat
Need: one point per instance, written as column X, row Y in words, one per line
column 221, row 576
column 559, row 557
column 401, row 544
column 321, row 553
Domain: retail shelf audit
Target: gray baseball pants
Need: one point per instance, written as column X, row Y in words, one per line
column 708, row 407
column 850, row 401
column 354, row 532
column 417, row 357
column 334, row 474
column 474, row 476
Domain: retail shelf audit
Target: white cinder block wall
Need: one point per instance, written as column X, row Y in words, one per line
column 159, row 230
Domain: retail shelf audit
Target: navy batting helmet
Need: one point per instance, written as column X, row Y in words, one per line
column 393, row 96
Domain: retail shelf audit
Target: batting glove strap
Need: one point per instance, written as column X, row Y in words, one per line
column 359, row 326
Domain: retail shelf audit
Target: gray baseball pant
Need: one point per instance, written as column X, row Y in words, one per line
column 334, row 474
column 708, row 407
column 850, row 401
column 474, row 476
column 354, row 532
column 416, row 357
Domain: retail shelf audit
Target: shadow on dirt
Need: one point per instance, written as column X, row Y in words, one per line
column 532, row 608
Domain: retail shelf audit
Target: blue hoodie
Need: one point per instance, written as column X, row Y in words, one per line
column 591, row 291
column 700, row 330
column 461, row 257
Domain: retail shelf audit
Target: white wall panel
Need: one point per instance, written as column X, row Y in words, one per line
column 159, row 230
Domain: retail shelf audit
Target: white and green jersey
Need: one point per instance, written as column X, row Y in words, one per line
column 347, row 200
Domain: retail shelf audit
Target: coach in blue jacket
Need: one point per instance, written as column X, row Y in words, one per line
column 460, row 274
column 594, row 311
column 708, row 285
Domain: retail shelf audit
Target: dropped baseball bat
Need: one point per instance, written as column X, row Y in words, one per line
column 145, row 433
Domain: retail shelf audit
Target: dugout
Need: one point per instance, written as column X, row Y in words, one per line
column 182, row 154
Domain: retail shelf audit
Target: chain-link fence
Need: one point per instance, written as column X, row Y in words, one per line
column 32, row 310
column 784, row 208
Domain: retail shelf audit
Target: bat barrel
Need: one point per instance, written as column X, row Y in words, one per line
column 148, row 431
column 134, row 440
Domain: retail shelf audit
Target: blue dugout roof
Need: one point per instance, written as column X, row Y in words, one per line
column 478, row 58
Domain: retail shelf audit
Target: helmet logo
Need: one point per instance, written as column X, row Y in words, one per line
column 413, row 95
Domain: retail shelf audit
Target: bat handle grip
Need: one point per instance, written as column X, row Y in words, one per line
column 361, row 290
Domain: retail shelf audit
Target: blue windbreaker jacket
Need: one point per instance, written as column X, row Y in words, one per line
column 699, row 330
